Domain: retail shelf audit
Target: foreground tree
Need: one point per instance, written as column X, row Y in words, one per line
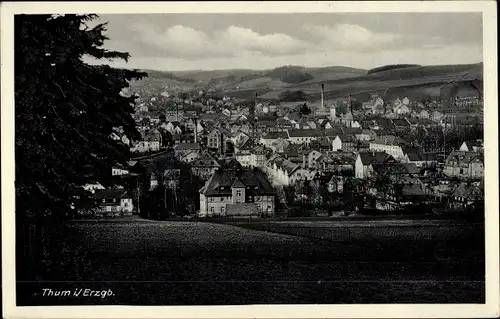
column 65, row 111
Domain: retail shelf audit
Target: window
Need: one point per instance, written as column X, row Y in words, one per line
column 210, row 199
column 222, row 209
column 238, row 193
column 212, row 209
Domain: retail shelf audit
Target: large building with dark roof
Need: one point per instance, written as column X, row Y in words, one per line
column 237, row 192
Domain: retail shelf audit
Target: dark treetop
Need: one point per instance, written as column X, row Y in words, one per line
column 65, row 111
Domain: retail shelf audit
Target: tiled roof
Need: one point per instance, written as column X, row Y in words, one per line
column 368, row 158
column 275, row 135
column 222, row 180
column 351, row 130
column 187, row 146
column 466, row 158
column 305, row 133
column 346, row 138
column 389, row 140
column 469, row 191
column 205, row 160
column 414, row 154
column 395, row 168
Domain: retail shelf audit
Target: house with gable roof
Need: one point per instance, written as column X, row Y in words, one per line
column 344, row 143
column 463, row 164
column 416, row 156
column 468, row 195
column 364, row 161
column 204, row 166
column 472, row 146
column 237, row 192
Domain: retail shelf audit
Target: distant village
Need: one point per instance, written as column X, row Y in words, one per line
column 216, row 156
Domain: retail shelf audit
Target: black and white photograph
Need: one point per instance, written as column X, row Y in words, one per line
column 251, row 158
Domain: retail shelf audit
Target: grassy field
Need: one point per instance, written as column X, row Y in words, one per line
column 166, row 263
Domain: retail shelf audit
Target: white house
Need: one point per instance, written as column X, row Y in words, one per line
column 114, row 202
column 302, row 136
column 401, row 109
column 344, row 143
column 93, row 187
column 472, row 146
column 390, row 144
column 190, row 156
column 116, row 171
column 270, row 139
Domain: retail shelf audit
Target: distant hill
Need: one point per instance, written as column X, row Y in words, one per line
column 153, row 74
column 339, row 80
column 391, row 67
column 291, row 74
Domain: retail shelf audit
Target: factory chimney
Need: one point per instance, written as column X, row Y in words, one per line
column 350, row 103
column 196, row 129
column 322, row 95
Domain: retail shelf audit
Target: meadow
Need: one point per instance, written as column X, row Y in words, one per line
column 190, row 263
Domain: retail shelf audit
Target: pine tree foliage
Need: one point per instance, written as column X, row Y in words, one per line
column 65, row 111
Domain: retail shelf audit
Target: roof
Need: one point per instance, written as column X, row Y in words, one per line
column 288, row 166
column 368, row 158
column 464, row 157
column 187, row 146
column 384, row 123
column 477, row 143
column 305, row 133
column 414, row 154
column 413, row 189
column 420, row 121
column 221, row 182
column 351, row 130
column 395, row 168
column 333, row 132
column 389, row 140
column 109, row 195
column 266, row 118
column 248, row 145
column 275, row 135
column 346, row 137
column 471, row 191
column 206, row 160
column 400, row 122
column 193, row 109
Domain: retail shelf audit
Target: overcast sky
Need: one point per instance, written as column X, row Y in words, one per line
column 261, row 41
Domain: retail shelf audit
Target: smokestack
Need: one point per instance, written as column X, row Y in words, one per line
column 350, row 103
column 322, row 95
column 196, row 130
